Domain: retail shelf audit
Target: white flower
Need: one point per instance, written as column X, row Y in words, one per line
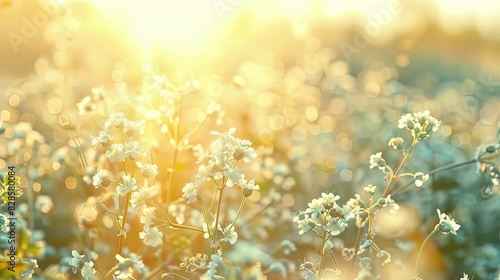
column 420, row 178
column 138, row 198
column 250, row 185
column 466, row 277
column 75, row 260
column 370, row 189
column 85, row 105
column 101, row 179
column 102, row 139
column 376, row 160
column 115, row 119
column 446, row 224
column 132, row 127
column 148, row 170
column 148, row 216
column 330, row 198
column 132, row 149
column 396, row 143
column 229, row 234
column 151, row 236
column 88, row 271
column 235, row 177
column 127, row 185
column 406, row 121
column 116, row 152
column 315, row 207
column 190, row 191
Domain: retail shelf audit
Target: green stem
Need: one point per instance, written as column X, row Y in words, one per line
column 323, row 241
column 219, row 202
column 414, row 273
column 121, row 238
column 242, row 204
column 439, row 169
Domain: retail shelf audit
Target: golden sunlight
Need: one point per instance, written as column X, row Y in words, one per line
column 183, row 26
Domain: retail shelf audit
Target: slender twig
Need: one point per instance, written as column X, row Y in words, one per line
column 219, row 202
column 415, row 268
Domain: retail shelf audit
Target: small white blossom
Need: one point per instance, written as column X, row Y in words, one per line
column 138, row 198
column 75, row 260
column 446, row 224
column 116, row 152
column 103, row 139
column 376, row 160
column 85, row 106
column 465, row 277
column 420, row 178
column 88, row 271
column 229, row 234
column 190, row 191
column 148, row 216
column 115, row 119
column 127, row 185
column 148, row 170
column 315, row 207
column 151, row 236
column 396, row 143
column 100, row 179
column 131, row 149
column 370, row 189
column 132, row 127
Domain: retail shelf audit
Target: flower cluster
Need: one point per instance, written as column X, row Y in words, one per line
column 421, row 124
column 220, row 161
column 324, row 213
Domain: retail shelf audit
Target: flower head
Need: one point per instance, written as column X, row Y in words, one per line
column 101, row 179
column 446, row 224
column 103, row 139
column 151, row 236
column 88, row 271
column 420, row 178
column 127, row 185
column 376, row 160
column 421, row 124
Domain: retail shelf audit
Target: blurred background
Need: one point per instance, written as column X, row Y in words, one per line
column 317, row 86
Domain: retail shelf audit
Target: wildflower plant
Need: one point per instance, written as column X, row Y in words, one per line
column 326, row 219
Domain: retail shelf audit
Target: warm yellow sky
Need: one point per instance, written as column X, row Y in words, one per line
column 186, row 24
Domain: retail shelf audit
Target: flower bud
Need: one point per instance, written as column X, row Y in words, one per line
column 238, row 154
column 247, row 192
column 101, row 208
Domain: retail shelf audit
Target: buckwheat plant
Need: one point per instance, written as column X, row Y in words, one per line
column 217, row 171
column 326, row 219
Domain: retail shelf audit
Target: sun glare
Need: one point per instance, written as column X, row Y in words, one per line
column 182, row 26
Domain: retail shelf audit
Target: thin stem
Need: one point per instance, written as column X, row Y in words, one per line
column 370, row 218
column 204, row 210
column 323, row 241
column 179, row 226
column 167, row 194
column 394, row 176
column 334, row 259
column 356, row 245
column 219, row 202
column 414, row 273
column 439, row 169
column 242, row 204
column 121, row 238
